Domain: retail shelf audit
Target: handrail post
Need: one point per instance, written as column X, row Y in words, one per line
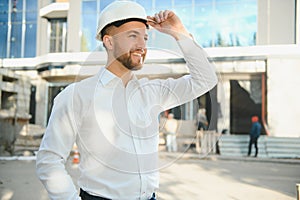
column 298, row 191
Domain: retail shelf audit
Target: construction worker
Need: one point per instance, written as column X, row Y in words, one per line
column 112, row 115
column 254, row 135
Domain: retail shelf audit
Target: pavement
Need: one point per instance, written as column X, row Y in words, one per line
column 188, row 155
column 182, row 176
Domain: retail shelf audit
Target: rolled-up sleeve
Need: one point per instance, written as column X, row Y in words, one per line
column 55, row 148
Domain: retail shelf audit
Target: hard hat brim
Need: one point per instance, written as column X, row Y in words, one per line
column 118, row 24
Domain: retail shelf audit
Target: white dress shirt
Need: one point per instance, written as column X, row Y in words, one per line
column 116, row 130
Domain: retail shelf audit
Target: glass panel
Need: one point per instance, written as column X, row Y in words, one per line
column 104, row 3
column 203, row 25
column 30, row 40
column 18, row 4
column 234, row 23
column 147, row 5
column 3, row 41
column 203, row 2
column 52, row 45
column 88, row 41
column 89, row 7
column 225, row 24
column 54, row 29
column 3, row 5
column 163, row 5
column 3, row 16
column 31, row 16
column 31, row 5
column 16, row 16
column 16, row 32
column 89, row 25
column 16, row 29
column 57, row 39
column 3, row 11
column 183, row 2
column 247, row 23
column 159, row 40
column 185, row 14
column 231, row 23
column 56, row 45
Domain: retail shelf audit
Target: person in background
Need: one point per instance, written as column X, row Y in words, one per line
column 202, row 119
column 254, row 135
column 112, row 116
column 171, row 128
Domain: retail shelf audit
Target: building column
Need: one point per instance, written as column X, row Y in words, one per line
column 276, row 22
column 223, row 98
column 74, row 26
column 298, row 22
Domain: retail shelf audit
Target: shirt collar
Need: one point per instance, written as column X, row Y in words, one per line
column 106, row 77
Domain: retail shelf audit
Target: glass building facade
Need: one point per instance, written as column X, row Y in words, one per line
column 213, row 23
column 18, row 28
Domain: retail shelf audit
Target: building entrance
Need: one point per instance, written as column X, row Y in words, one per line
column 245, row 101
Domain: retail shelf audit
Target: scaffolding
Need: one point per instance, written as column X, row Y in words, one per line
column 14, row 108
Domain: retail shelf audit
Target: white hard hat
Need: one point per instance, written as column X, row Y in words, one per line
column 120, row 10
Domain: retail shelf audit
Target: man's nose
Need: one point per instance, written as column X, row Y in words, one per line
column 141, row 44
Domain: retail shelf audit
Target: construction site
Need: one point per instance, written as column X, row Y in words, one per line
column 45, row 49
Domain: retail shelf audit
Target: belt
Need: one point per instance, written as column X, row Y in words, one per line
column 86, row 196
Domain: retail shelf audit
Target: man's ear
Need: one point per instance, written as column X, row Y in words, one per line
column 107, row 41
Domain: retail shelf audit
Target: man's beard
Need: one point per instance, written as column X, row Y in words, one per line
column 127, row 61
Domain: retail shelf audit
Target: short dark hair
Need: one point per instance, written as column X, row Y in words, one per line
column 120, row 23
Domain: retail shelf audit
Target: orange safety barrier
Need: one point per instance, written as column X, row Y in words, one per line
column 76, row 157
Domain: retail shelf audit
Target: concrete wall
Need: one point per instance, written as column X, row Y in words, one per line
column 298, row 22
column 74, row 26
column 16, row 93
column 283, row 95
column 276, row 22
column 14, row 107
column 42, row 29
column 41, row 102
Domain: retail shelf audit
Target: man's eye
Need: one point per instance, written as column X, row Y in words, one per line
column 132, row 36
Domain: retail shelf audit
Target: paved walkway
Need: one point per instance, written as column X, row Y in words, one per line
column 184, row 176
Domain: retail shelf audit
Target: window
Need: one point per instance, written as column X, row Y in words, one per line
column 18, row 21
column 89, row 25
column 58, row 35
column 213, row 23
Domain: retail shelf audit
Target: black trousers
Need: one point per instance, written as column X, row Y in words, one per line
column 86, row 196
column 253, row 140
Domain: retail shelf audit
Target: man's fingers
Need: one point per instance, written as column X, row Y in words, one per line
column 168, row 22
column 151, row 21
column 161, row 16
column 166, row 14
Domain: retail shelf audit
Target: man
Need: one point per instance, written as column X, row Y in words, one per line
column 171, row 128
column 254, row 135
column 202, row 119
column 112, row 116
